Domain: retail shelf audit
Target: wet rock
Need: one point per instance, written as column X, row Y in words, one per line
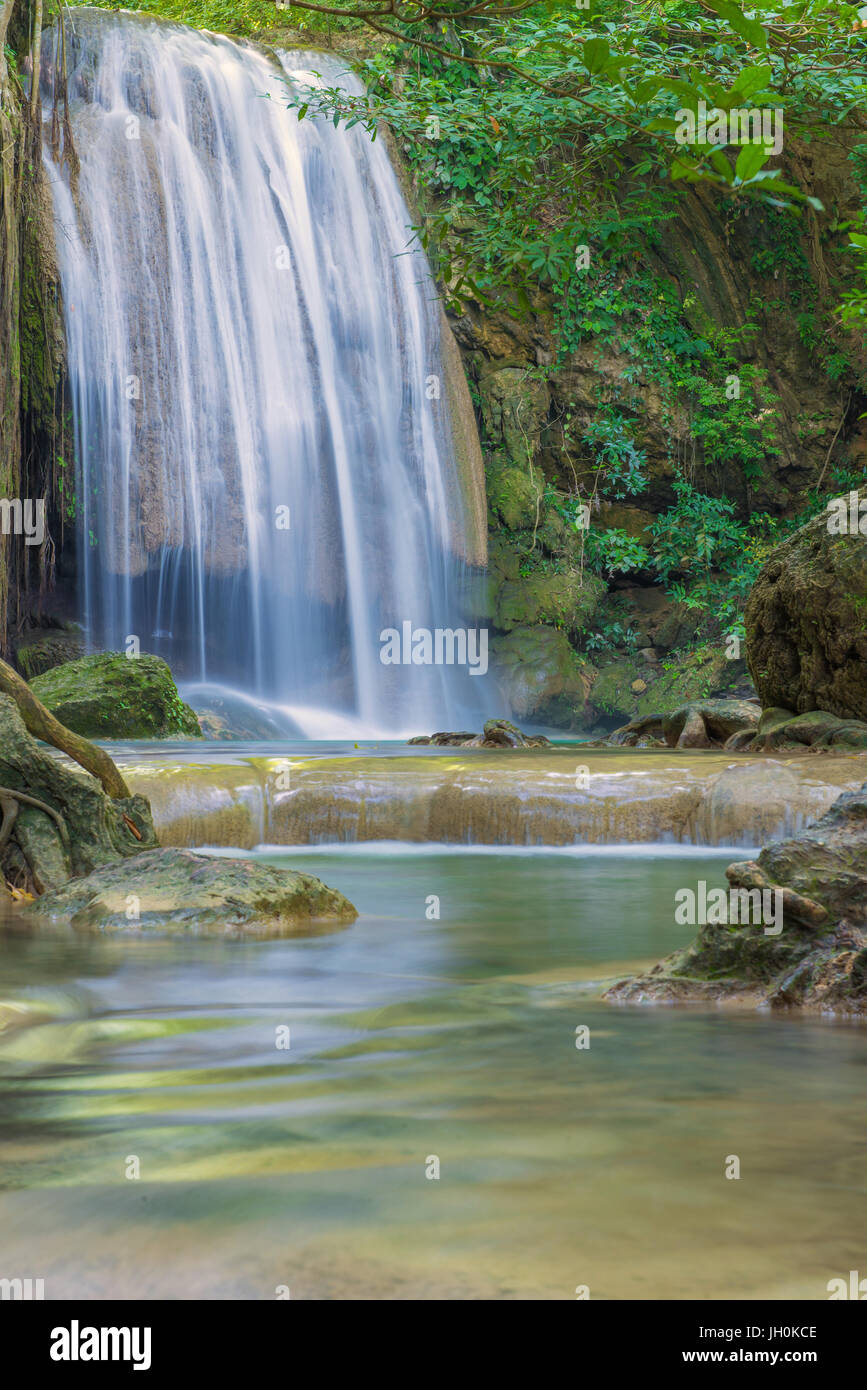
column 806, row 634
column 781, row 729
column 444, row 740
column 179, row 892
column 112, row 696
column 699, row 724
column 537, row 668
column 818, row 960
column 498, row 733
column 44, row 649
column 708, row 723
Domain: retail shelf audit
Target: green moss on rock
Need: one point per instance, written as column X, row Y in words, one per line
column 542, row 676
column 632, row 688
column 113, row 696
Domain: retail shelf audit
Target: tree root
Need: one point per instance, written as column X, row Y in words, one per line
column 42, row 724
column 10, row 804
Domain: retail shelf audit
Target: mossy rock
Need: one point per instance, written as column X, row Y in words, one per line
column 44, row 650
column 114, row 696
column 514, row 494
column 514, row 408
column 815, row 956
column 541, row 675
column 176, row 891
column 568, row 600
column 631, row 688
column 806, row 622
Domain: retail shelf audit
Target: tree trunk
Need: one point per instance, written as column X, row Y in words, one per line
column 41, row 723
column 37, row 61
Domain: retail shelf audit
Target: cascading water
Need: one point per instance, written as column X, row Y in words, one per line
column 265, row 474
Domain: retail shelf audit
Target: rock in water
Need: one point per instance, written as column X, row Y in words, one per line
column 39, row 853
column 817, row 960
column 806, row 631
column 699, row 724
column 177, row 891
column 114, row 696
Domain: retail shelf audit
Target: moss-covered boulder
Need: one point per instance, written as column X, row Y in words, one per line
column 57, row 822
column 815, row 955
column 540, row 675
column 177, row 891
column 114, row 696
column 806, row 620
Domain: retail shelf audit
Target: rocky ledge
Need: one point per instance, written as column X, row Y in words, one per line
column 498, row 733
column 740, row 726
column 814, row 956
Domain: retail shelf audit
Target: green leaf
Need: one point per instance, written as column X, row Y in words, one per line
column 750, row 161
column 597, row 55
column 750, row 80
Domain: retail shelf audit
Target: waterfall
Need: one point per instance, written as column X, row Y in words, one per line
column 265, row 476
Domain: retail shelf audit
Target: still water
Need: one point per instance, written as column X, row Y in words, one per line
column 413, row 1037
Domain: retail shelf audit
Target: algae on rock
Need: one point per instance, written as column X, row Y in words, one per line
column 113, row 696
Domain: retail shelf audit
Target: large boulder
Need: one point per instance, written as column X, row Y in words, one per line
column 698, row 724
column 177, row 891
column 805, row 622
column 540, row 675
column 818, row 959
column 73, row 829
column 111, row 695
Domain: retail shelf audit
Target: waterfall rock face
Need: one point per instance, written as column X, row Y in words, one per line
column 267, row 472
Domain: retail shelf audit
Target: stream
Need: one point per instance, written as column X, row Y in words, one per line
column 266, row 1169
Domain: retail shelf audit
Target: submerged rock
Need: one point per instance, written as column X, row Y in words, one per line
column 177, row 891
column 113, row 696
column 806, row 634
column 818, row 959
